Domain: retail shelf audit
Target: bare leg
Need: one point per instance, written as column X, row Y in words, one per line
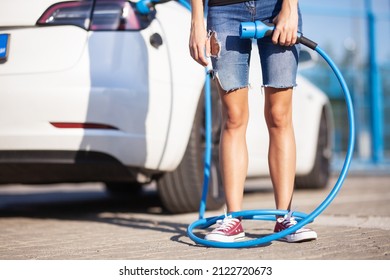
column 282, row 150
column 233, row 148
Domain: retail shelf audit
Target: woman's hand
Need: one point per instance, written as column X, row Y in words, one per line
column 286, row 24
column 199, row 43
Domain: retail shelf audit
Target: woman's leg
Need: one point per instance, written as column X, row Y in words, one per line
column 233, row 156
column 282, row 157
column 282, row 150
column 233, row 148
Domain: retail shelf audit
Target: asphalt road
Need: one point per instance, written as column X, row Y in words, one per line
column 73, row 222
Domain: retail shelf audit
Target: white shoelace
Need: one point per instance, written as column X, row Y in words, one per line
column 227, row 222
column 288, row 220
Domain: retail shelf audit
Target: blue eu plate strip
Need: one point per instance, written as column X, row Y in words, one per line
column 4, row 38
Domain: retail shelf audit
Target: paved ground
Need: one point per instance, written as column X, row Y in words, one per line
column 81, row 222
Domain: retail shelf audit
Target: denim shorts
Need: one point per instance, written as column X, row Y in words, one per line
column 231, row 65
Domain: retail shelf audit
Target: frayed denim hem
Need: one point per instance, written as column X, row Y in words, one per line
column 214, row 76
column 280, row 87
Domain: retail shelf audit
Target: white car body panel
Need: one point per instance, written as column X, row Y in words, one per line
column 31, row 52
column 187, row 82
column 22, row 12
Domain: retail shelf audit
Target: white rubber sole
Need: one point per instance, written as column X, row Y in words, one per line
column 223, row 238
column 300, row 237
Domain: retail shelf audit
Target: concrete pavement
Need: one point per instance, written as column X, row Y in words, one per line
column 69, row 223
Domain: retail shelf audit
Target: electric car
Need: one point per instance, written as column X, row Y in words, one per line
column 95, row 90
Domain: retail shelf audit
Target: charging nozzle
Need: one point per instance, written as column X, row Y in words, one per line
column 258, row 30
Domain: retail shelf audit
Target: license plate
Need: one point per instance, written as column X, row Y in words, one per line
column 4, row 42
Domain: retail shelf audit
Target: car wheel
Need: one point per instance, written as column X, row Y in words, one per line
column 181, row 190
column 320, row 173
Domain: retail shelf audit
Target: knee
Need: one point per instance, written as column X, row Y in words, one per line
column 236, row 119
column 278, row 117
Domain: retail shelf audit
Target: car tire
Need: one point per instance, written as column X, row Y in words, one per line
column 181, row 190
column 319, row 175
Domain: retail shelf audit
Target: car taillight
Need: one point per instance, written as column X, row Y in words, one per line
column 68, row 13
column 106, row 15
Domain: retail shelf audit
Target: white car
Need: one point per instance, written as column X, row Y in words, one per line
column 96, row 91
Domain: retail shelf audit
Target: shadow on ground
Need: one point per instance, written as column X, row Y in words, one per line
column 93, row 204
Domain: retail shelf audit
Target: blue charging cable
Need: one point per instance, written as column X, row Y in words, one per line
column 256, row 30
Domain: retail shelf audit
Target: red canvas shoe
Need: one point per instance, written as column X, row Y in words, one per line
column 229, row 230
column 302, row 234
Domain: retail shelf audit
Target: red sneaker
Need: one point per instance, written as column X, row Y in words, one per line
column 229, row 230
column 302, row 234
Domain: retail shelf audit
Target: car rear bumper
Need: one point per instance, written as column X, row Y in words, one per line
column 62, row 166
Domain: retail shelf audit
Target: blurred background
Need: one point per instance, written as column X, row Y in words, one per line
column 356, row 34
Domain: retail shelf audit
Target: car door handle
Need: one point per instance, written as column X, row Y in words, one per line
column 156, row 40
